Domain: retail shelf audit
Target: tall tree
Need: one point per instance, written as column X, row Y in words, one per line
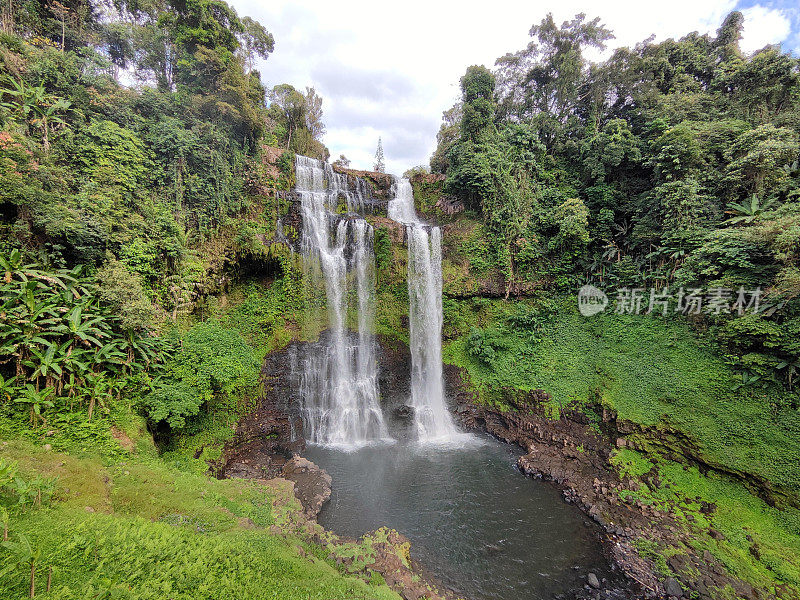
column 254, row 41
column 544, row 78
column 291, row 107
column 313, row 109
column 380, row 165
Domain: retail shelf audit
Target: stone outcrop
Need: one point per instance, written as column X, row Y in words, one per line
column 450, row 205
column 381, row 183
column 312, row 485
column 270, row 435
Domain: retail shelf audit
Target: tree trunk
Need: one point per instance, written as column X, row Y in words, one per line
column 510, row 278
column 33, row 579
column 91, row 407
column 49, row 577
column 46, row 138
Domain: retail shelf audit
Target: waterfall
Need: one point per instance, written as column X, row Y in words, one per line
column 431, row 416
column 338, row 379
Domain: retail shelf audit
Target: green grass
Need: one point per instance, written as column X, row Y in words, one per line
column 660, row 376
column 141, row 529
column 653, row 373
column 761, row 543
column 72, row 432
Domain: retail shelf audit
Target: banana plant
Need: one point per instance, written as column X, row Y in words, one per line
column 36, row 107
column 54, row 328
column 81, row 327
column 99, row 387
column 37, row 400
column 15, row 269
column 23, row 555
column 77, row 362
column 46, row 364
column 748, row 212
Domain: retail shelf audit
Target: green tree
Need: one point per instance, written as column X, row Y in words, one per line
column 542, row 81
column 254, row 41
column 759, row 158
column 289, row 106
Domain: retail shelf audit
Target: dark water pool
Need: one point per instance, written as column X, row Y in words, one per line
column 477, row 524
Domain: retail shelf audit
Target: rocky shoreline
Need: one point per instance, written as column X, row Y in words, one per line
column 568, row 452
column 384, row 552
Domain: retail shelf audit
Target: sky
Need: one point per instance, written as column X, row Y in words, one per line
column 389, row 71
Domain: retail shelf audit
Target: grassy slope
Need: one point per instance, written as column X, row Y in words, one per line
column 653, row 373
column 759, row 544
column 657, row 374
column 151, row 531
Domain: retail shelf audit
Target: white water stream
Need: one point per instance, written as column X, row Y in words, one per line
column 431, row 416
column 339, row 384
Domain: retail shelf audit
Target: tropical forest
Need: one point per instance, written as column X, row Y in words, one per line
column 551, row 351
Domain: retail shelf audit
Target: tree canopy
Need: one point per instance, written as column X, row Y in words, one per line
column 667, row 164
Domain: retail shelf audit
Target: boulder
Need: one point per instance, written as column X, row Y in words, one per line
column 593, row 581
column 672, row 587
column 312, row 485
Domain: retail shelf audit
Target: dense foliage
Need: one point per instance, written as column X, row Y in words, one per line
column 151, row 175
column 669, row 165
column 62, row 343
column 139, row 154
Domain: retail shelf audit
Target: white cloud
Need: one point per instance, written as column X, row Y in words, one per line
column 391, row 72
column 763, row 26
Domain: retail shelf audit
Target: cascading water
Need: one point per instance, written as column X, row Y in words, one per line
column 338, row 382
column 431, row 417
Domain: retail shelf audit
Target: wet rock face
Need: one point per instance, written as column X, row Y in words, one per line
column 394, row 368
column 271, row 434
column 312, row 485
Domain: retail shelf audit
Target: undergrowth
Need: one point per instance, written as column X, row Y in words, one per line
column 139, row 528
column 652, row 372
